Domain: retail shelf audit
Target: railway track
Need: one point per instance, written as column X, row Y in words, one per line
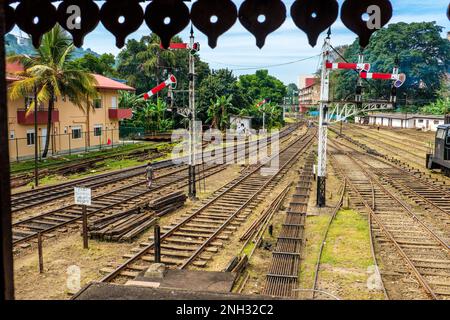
column 405, row 167
column 196, row 237
column 417, row 188
column 34, row 198
column 282, row 279
column 29, row 199
column 408, row 246
column 107, row 203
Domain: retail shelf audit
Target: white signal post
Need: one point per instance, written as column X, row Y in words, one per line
column 363, row 70
column 323, row 126
column 259, row 105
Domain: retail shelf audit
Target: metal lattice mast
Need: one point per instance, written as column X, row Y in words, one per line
column 323, row 126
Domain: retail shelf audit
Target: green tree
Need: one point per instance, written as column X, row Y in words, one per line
column 103, row 65
column 218, row 112
column 50, row 72
column 144, row 64
column 424, row 56
column 261, row 86
column 220, row 83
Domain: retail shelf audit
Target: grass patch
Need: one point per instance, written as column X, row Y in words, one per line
column 348, row 243
column 347, row 257
column 315, row 230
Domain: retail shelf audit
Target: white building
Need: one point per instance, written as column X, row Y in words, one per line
column 402, row 120
column 241, row 122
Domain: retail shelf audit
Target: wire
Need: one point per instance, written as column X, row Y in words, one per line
column 265, row 67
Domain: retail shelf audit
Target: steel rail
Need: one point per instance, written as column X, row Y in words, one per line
column 109, row 277
column 29, row 196
column 398, row 200
column 423, row 181
column 423, row 282
column 397, row 166
column 243, row 206
column 63, row 224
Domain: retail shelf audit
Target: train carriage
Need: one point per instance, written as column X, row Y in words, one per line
column 441, row 157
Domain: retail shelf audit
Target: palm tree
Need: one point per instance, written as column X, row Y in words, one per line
column 218, row 111
column 143, row 60
column 129, row 100
column 50, row 73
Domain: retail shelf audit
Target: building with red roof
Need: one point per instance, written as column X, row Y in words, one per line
column 73, row 128
column 309, row 92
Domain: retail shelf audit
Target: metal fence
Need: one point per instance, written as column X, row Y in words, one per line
column 68, row 143
column 131, row 132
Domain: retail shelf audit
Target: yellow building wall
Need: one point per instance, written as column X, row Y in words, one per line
column 70, row 117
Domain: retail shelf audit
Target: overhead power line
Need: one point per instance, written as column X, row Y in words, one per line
column 243, row 68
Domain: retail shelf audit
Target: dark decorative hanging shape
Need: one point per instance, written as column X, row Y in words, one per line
column 121, row 18
column 167, row 18
column 448, row 12
column 262, row 17
column 377, row 12
column 78, row 17
column 314, row 16
column 9, row 17
column 35, row 17
column 213, row 18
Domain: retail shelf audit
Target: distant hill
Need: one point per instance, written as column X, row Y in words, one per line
column 25, row 47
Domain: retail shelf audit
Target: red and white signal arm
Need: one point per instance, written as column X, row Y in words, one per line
column 183, row 46
column 399, row 79
column 171, row 81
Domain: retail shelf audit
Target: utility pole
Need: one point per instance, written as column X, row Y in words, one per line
column 323, row 126
column 192, row 124
column 36, row 137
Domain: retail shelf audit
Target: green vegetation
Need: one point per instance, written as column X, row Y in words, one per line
column 348, row 242
column 103, row 65
column 423, row 55
column 67, row 159
column 346, row 258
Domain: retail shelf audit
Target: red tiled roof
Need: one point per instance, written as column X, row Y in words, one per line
column 14, row 67
column 102, row 82
column 107, row 83
column 309, row 82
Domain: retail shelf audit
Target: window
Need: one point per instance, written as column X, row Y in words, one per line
column 97, row 131
column 436, row 121
column 30, row 138
column 76, row 133
column 114, row 103
column 420, row 121
column 98, row 103
column 28, row 102
column 440, row 134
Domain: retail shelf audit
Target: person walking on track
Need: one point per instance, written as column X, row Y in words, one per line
column 149, row 174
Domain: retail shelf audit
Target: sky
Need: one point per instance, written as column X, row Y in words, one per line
column 237, row 48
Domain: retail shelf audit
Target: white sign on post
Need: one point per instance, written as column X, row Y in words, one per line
column 82, row 196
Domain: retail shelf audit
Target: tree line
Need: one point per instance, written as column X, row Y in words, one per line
column 219, row 94
column 420, row 52
column 53, row 71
